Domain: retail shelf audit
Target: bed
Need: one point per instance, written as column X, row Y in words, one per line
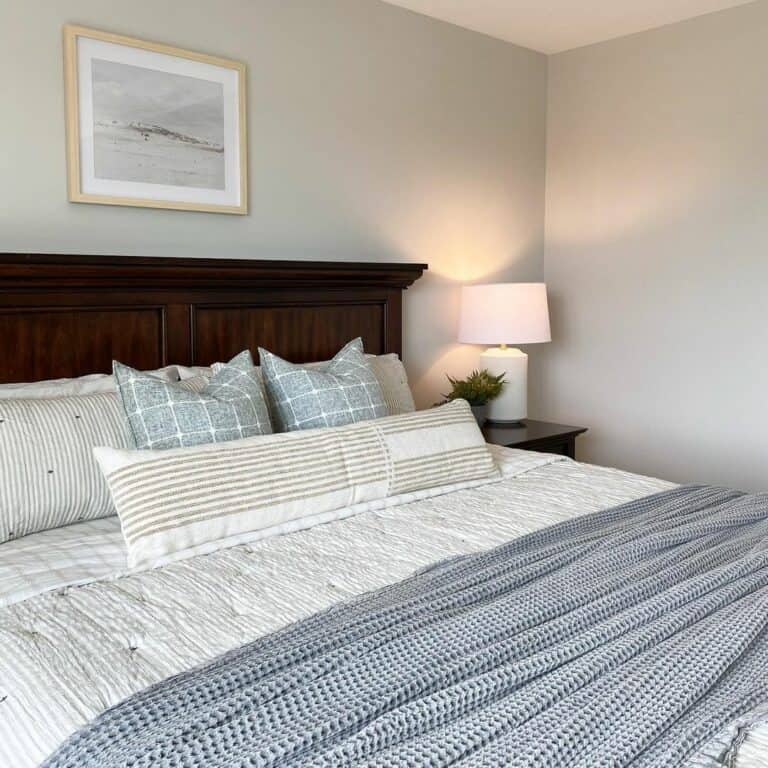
column 81, row 630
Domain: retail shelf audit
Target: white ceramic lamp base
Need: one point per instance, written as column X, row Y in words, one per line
column 512, row 404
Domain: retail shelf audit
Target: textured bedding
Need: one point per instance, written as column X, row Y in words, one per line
column 70, row 653
column 609, row 639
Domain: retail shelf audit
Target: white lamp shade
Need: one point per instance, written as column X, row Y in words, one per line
column 504, row 313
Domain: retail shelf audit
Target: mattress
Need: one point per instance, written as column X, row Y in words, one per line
column 80, row 632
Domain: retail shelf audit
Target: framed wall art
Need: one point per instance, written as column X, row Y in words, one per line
column 152, row 125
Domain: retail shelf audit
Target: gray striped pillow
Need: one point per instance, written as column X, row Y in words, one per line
column 48, row 476
column 174, row 500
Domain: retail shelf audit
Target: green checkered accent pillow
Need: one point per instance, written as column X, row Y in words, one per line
column 344, row 392
column 161, row 415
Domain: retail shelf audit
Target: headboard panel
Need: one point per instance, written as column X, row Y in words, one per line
column 64, row 316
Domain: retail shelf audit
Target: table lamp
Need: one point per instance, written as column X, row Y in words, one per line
column 505, row 313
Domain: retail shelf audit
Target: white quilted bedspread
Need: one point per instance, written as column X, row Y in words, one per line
column 69, row 653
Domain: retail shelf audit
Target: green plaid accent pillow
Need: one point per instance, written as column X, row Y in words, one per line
column 344, row 392
column 161, row 415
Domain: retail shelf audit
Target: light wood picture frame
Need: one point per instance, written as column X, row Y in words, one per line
column 152, row 125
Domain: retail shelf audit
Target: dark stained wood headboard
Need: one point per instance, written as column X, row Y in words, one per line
column 66, row 315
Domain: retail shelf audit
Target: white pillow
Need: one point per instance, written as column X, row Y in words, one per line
column 393, row 379
column 174, row 500
column 91, row 384
column 193, row 371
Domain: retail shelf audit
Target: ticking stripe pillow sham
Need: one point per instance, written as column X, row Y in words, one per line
column 48, row 475
column 175, row 500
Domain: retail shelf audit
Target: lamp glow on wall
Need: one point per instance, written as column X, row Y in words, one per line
column 505, row 313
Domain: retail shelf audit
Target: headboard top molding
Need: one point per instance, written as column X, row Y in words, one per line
column 67, row 315
column 19, row 270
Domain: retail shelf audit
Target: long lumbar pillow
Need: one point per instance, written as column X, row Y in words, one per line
column 173, row 500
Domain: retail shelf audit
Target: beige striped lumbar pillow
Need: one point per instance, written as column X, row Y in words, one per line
column 173, row 500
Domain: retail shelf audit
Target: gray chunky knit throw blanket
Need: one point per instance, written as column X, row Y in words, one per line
column 629, row 637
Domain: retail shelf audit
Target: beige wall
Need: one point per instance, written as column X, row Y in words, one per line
column 380, row 134
column 657, row 249
column 375, row 134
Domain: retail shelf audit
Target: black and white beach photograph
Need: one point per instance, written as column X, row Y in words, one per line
column 152, row 125
column 156, row 127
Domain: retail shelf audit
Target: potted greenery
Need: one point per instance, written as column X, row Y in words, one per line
column 478, row 389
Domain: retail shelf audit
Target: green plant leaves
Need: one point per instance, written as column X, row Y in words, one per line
column 479, row 388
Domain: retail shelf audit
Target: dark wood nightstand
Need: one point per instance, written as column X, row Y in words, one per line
column 533, row 435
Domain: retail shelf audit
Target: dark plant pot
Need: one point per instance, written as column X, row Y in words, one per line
column 480, row 412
